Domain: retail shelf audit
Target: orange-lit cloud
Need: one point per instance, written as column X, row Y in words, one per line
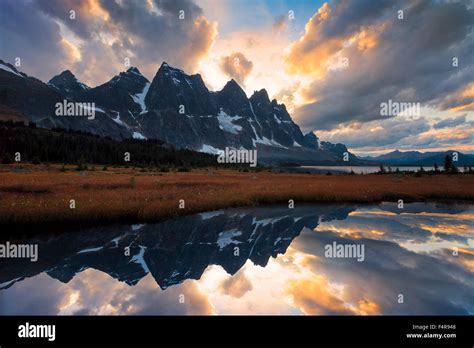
column 462, row 101
column 315, row 296
column 94, row 8
column 268, row 69
column 201, row 38
column 74, row 53
column 466, row 258
column 313, row 54
column 366, row 307
column 368, row 37
column 448, row 227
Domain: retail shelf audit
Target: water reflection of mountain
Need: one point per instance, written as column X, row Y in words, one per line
column 173, row 250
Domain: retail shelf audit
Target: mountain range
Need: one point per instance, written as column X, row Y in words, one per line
column 176, row 108
column 416, row 158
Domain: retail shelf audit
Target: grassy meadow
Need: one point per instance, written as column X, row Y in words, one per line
column 35, row 194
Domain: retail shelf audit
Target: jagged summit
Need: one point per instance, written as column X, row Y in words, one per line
column 68, row 85
column 132, row 74
column 134, row 70
column 177, row 108
column 233, row 88
column 260, row 96
column 166, row 65
column 65, row 76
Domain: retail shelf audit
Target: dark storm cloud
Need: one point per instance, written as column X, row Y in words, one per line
column 450, row 122
column 348, row 16
column 81, row 24
column 410, row 61
column 31, row 36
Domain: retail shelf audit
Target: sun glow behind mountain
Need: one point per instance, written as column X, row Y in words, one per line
column 332, row 64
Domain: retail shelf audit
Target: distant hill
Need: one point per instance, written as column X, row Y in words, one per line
column 416, row 158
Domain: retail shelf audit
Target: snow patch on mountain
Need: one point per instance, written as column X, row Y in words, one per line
column 138, row 135
column 118, row 120
column 90, row 250
column 210, row 149
column 7, row 69
column 176, row 81
column 210, row 215
column 140, row 260
column 139, row 98
column 226, row 122
column 226, row 238
column 266, row 141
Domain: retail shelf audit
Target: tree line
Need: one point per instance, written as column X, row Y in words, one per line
column 39, row 145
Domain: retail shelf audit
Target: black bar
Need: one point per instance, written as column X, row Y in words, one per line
column 225, row 330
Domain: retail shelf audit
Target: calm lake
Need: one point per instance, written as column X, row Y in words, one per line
column 366, row 169
column 257, row 260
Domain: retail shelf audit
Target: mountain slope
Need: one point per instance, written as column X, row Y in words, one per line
column 176, row 108
column 36, row 101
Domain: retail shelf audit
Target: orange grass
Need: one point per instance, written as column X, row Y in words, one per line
column 43, row 195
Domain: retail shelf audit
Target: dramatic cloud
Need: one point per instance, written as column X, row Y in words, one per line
column 103, row 36
column 236, row 66
column 377, row 133
column 389, row 269
column 30, row 35
column 403, row 133
column 315, row 296
column 406, row 60
column 332, row 66
column 92, row 292
column 462, row 99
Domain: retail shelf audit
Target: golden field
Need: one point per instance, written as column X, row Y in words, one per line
column 43, row 193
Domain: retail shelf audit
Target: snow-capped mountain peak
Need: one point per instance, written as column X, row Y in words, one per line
column 176, row 108
column 67, row 84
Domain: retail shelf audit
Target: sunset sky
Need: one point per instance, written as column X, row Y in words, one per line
column 296, row 49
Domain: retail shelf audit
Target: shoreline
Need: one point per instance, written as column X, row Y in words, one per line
column 48, row 228
column 126, row 195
